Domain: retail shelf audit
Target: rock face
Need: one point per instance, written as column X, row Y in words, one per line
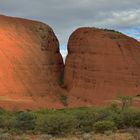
column 101, row 65
column 30, row 63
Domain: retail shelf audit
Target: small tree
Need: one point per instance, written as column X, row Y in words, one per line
column 126, row 101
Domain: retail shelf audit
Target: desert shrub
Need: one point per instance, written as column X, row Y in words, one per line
column 85, row 120
column 103, row 115
column 114, row 107
column 129, row 118
column 63, row 121
column 64, row 100
column 2, row 111
column 56, row 124
column 111, row 30
column 3, row 115
column 106, row 114
column 61, row 79
column 25, row 121
column 117, row 119
column 7, row 121
column 102, row 126
column 2, row 120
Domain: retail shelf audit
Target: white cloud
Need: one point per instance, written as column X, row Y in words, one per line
column 64, row 16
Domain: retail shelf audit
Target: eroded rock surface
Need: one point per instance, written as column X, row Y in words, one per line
column 30, row 64
column 101, row 65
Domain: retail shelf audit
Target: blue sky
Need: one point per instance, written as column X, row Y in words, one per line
column 133, row 32
column 64, row 16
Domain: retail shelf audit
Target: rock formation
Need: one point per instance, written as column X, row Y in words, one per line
column 30, row 64
column 101, row 65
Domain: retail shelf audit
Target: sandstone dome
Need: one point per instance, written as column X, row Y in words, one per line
column 101, row 65
column 30, row 63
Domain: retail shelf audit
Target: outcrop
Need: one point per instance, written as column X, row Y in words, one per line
column 101, row 65
column 30, row 64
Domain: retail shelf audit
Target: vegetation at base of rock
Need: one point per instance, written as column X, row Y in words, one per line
column 85, row 120
column 25, row 121
column 70, row 121
column 57, row 124
column 61, row 79
column 102, row 126
column 64, row 100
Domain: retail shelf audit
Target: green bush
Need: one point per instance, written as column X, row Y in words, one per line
column 106, row 114
column 64, row 100
column 85, row 120
column 129, row 118
column 56, row 124
column 7, row 121
column 111, row 30
column 61, row 79
column 102, row 126
column 25, row 121
column 63, row 121
column 114, row 108
column 2, row 120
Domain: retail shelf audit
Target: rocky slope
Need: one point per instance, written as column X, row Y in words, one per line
column 101, row 65
column 30, row 64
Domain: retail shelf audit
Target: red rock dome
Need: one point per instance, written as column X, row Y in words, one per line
column 101, row 65
column 30, row 64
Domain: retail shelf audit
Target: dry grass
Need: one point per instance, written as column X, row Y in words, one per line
column 125, row 136
column 114, row 136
